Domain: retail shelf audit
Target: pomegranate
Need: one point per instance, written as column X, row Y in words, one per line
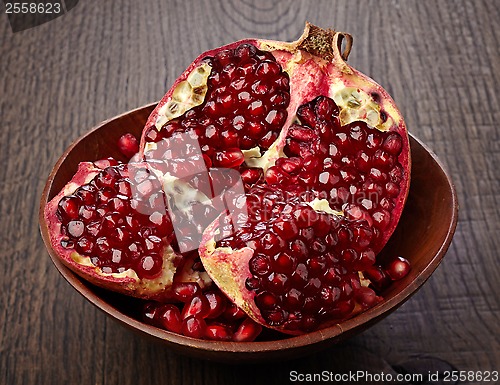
column 273, row 168
column 110, row 226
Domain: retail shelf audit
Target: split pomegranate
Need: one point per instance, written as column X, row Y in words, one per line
column 111, row 227
column 274, row 168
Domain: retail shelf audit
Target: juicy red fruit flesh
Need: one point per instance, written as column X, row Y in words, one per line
column 104, row 221
column 398, row 268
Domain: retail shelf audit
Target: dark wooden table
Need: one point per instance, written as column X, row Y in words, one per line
column 439, row 60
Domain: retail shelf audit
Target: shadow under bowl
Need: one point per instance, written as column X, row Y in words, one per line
column 423, row 236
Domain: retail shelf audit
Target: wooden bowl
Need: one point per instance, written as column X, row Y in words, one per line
column 423, row 235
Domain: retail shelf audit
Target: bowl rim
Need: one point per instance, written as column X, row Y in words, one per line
column 328, row 333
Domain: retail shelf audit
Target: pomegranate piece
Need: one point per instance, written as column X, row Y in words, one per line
column 111, row 227
column 335, row 183
column 228, row 101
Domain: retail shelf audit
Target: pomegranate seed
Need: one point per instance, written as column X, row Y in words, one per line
column 84, row 246
column 306, row 115
column 217, row 304
column 128, row 145
column 294, row 300
column 378, row 277
column 277, row 283
column 68, row 208
column 233, row 312
column 366, row 297
column 393, row 144
column 193, row 327
column 325, row 108
column 149, row 313
column 218, row 333
column 75, row 228
column 275, row 176
column 150, row 266
column 275, row 317
column 284, row 263
column 230, row 158
column 197, row 306
column 285, row 229
column 169, row 317
column 302, row 134
column 309, row 322
column 383, row 160
column 184, row 291
column 268, row 68
column 265, row 300
column 259, row 265
column 86, row 193
column 244, row 52
column 247, row 331
column 392, row 189
column 251, row 175
column 398, row 268
column 289, row 165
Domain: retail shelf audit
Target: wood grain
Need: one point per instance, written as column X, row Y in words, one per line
column 440, row 62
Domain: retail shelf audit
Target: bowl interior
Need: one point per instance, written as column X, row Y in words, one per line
column 422, row 236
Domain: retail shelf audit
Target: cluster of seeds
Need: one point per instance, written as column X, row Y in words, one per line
column 305, row 262
column 354, row 167
column 245, row 106
column 206, row 315
column 118, row 220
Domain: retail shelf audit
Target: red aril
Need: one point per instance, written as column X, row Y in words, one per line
column 398, row 268
column 194, row 327
column 247, row 331
column 170, row 318
column 128, row 145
